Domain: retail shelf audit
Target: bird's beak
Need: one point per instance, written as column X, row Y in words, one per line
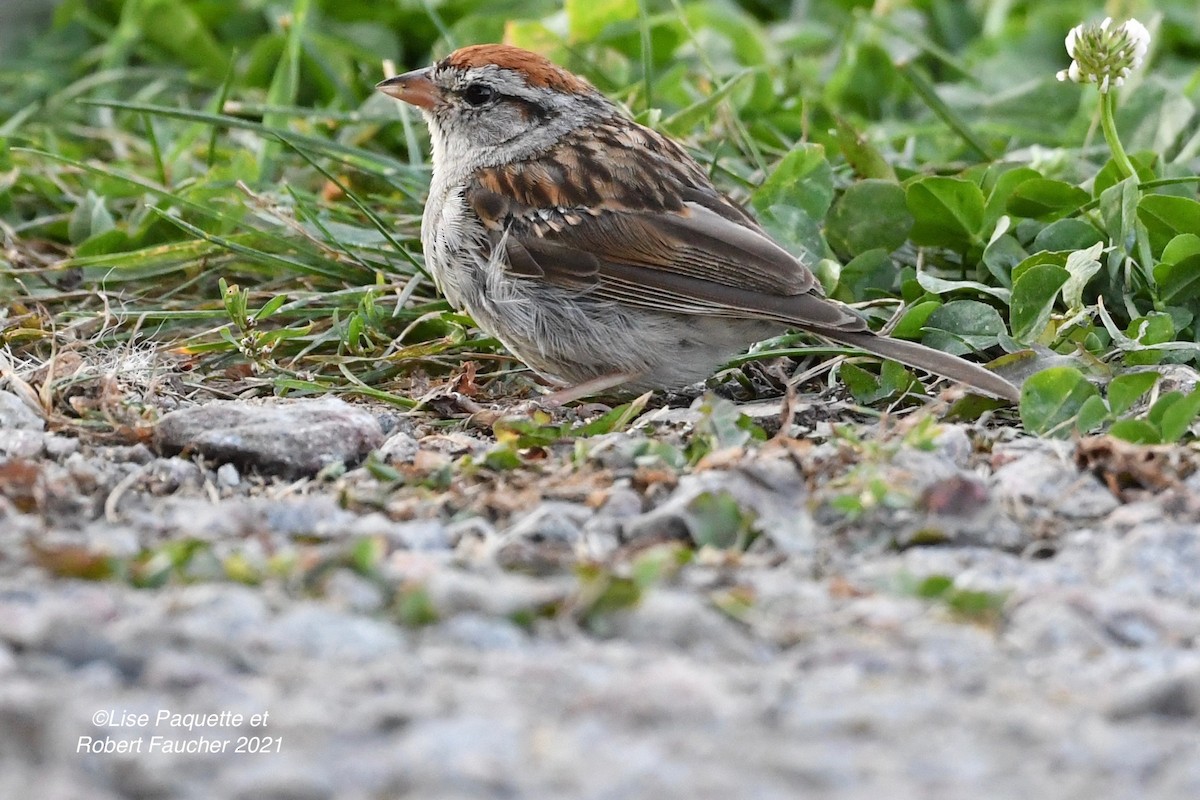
column 414, row 88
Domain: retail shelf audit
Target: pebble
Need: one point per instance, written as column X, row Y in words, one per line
column 16, row 415
column 59, row 447
column 1162, row 559
column 1049, row 486
column 291, row 438
column 681, row 622
column 1175, row 697
column 350, row 591
column 481, row 632
column 21, row 443
column 770, row 493
column 545, row 539
column 227, row 476
column 318, row 632
column 399, row 448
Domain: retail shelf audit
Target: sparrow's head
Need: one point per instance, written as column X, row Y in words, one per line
column 494, row 100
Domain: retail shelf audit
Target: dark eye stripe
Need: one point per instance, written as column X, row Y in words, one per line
column 530, row 109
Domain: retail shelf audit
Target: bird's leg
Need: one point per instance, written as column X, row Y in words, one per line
column 588, row 387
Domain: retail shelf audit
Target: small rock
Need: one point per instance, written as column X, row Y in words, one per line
column 1160, row 559
column 167, row 475
column 85, row 472
column 946, row 461
column 460, row 756
column 315, row 631
column 771, row 492
column 59, row 447
column 21, row 443
column 280, row 779
column 551, row 521
column 26, row 717
column 1050, row 486
column 959, row 511
column 131, row 453
column 496, row 594
column 287, row 437
column 352, row 592
column 216, row 618
column 622, row 501
column 481, row 633
column 960, row 495
column 683, row 620
column 227, row 475
column 319, row 516
column 15, row 414
column 400, row 448
column 1174, row 696
column 616, row 451
column 545, row 539
column 417, row 534
column 1049, row 624
column 954, row 444
column 423, row 534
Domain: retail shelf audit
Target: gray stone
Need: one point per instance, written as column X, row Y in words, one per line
column 681, row 621
column 954, row 444
column 551, row 521
column 495, row 594
column 319, row 516
column 168, row 475
column 314, row 631
column 1043, row 485
column 1162, row 559
column 622, row 502
column 949, row 457
column 281, row 778
column 286, row 437
column 227, row 476
column 1175, row 696
column 16, row 415
column 417, row 534
column 1055, row 623
column 986, row 527
column 546, row 539
column 132, row 453
column 214, row 614
column 59, row 447
column 26, row 719
column 616, row 451
column 770, row 491
column 352, row 592
column 400, row 448
column 481, row 633
column 21, row 443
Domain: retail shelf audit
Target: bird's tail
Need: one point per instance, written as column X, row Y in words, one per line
column 926, row 358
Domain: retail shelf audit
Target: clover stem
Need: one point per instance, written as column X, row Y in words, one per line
column 1108, row 105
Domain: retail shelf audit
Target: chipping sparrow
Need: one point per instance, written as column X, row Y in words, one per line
column 596, row 249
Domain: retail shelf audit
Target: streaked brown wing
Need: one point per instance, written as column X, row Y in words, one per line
column 607, row 256
column 632, row 235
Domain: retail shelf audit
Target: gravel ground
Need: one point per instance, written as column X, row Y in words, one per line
column 235, row 605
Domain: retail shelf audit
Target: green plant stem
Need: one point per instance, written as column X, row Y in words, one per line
column 1108, row 106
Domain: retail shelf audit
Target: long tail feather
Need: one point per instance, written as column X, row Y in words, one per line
column 935, row 361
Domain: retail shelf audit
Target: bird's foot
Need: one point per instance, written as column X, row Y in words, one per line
column 590, row 387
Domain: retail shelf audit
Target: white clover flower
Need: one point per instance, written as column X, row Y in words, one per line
column 1105, row 55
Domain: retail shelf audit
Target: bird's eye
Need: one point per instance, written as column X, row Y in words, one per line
column 477, row 94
